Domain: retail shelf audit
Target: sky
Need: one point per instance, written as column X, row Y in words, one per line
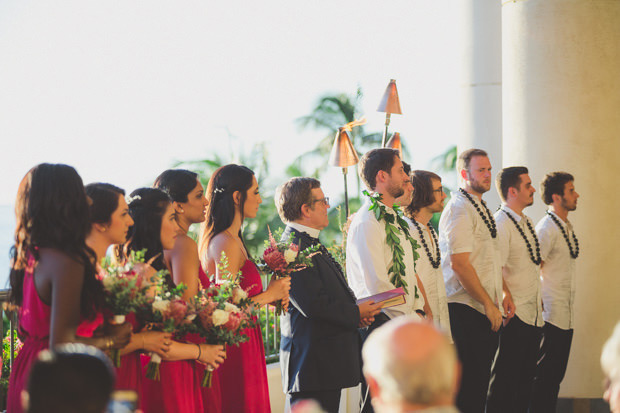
column 123, row 89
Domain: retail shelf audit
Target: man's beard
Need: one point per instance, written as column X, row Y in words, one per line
column 395, row 191
column 477, row 186
column 567, row 207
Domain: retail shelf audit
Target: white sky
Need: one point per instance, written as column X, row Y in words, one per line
column 122, row 89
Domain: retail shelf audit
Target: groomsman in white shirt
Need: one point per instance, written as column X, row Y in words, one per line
column 370, row 259
column 428, row 199
column 472, row 272
column 559, row 251
column 515, row 366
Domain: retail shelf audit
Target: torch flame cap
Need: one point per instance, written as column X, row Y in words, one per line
column 395, row 143
column 343, row 153
column 389, row 102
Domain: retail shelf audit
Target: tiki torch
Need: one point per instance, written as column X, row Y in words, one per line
column 389, row 104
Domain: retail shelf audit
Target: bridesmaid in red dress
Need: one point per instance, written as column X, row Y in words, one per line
column 233, row 195
column 53, row 277
column 188, row 199
column 110, row 223
column 155, row 229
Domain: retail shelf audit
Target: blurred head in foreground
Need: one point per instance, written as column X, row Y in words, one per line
column 71, row 378
column 409, row 364
column 610, row 361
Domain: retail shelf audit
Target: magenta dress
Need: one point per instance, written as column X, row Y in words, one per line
column 178, row 389
column 34, row 327
column 243, row 376
column 129, row 374
column 211, row 396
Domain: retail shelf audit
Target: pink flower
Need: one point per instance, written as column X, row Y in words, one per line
column 274, row 259
column 206, row 315
column 234, row 320
column 177, row 311
column 293, row 247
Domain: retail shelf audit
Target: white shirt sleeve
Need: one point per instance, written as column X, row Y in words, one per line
column 365, row 248
column 546, row 239
column 459, row 231
column 503, row 240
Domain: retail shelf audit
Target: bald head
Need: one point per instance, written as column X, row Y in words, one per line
column 411, row 362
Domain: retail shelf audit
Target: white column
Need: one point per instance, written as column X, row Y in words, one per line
column 480, row 109
column 561, row 103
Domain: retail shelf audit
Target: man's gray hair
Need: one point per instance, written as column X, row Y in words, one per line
column 423, row 378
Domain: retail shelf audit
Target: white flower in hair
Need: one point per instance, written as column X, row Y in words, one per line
column 218, row 190
column 130, row 198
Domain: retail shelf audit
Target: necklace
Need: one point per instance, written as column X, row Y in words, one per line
column 393, row 225
column 434, row 262
column 574, row 254
column 535, row 259
column 490, row 222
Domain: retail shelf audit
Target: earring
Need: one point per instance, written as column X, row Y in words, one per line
column 181, row 211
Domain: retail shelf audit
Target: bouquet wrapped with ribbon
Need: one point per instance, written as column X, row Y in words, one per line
column 125, row 290
column 222, row 313
column 281, row 259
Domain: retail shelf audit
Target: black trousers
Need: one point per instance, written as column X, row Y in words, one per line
column 476, row 345
column 552, row 361
column 514, row 368
column 328, row 399
column 365, row 404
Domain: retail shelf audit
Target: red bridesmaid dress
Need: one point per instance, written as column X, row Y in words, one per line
column 34, row 327
column 243, row 376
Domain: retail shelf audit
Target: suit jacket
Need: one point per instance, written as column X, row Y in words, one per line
column 320, row 344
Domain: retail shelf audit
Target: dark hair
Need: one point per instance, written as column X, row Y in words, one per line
column 147, row 207
column 406, row 168
column 221, row 210
column 177, row 183
column 105, row 201
column 52, row 212
column 423, row 195
column 291, row 195
column 70, row 378
column 375, row 160
column 554, row 183
column 507, row 178
column 464, row 159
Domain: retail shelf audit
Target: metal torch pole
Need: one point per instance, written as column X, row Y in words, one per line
column 346, row 195
column 385, row 132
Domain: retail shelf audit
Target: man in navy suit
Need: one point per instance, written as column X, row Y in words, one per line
column 320, row 352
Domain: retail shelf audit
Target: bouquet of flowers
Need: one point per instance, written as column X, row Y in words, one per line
column 124, row 290
column 281, row 259
column 167, row 312
column 222, row 312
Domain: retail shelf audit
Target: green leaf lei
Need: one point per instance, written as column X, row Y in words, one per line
column 397, row 270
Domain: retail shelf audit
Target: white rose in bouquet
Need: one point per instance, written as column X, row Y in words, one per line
column 290, row 255
column 108, row 282
column 231, row 308
column 239, row 294
column 161, row 305
column 220, row 317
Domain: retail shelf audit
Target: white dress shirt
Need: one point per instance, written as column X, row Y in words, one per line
column 313, row 232
column 520, row 274
column 432, row 278
column 369, row 257
column 558, row 272
column 461, row 229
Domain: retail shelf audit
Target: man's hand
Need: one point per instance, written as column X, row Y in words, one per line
column 494, row 316
column 365, row 322
column 428, row 312
column 369, row 309
column 509, row 306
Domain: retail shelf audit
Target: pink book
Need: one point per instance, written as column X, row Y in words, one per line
column 388, row 298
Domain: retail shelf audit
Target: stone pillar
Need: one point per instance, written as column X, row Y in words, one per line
column 561, row 111
column 480, row 109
